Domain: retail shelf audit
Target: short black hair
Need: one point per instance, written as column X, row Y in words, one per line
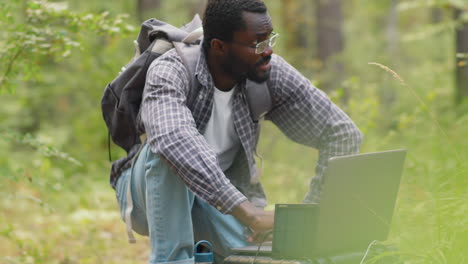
column 224, row 17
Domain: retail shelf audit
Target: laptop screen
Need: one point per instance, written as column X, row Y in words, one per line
column 356, row 208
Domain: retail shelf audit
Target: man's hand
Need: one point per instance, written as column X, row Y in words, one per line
column 258, row 220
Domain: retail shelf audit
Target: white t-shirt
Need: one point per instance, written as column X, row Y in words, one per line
column 220, row 132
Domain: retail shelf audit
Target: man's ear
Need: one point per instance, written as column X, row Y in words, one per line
column 218, row 46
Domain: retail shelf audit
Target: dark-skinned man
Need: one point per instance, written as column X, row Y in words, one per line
column 196, row 176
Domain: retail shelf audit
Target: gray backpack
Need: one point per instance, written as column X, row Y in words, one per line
column 122, row 97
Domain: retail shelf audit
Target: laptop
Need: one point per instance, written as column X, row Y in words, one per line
column 356, row 208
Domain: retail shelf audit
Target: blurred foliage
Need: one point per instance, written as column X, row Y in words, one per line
column 45, row 31
column 56, row 203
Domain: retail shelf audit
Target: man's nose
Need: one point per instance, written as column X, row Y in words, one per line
column 267, row 52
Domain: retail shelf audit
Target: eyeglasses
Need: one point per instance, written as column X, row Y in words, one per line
column 262, row 46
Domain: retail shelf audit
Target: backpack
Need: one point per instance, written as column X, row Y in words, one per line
column 122, row 97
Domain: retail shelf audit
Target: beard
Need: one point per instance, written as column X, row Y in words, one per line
column 241, row 70
column 255, row 75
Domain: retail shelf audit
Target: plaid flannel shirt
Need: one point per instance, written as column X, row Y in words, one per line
column 175, row 131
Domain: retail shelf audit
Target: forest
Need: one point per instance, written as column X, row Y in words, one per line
column 398, row 68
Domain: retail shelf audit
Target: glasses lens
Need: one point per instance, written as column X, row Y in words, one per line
column 273, row 40
column 261, row 47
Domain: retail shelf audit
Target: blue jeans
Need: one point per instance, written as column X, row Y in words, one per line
column 172, row 215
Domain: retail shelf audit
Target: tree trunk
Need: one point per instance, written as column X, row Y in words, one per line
column 330, row 42
column 386, row 91
column 146, row 7
column 461, row 59
column 436, row 15
column 392, row 28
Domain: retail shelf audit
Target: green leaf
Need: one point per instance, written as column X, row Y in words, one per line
column 33, row 5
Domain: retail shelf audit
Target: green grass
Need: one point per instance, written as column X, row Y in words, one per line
column 67, row 214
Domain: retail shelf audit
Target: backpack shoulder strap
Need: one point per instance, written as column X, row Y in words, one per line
column 259, row 99
column 190, row 55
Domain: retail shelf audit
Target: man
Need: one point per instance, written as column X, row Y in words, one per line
column 196, row 178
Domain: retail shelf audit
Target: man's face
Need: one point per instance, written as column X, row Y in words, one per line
column 241, row 60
